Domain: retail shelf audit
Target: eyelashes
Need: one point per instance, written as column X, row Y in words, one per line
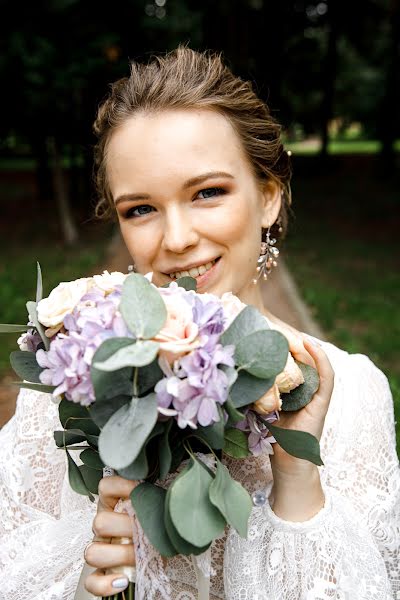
column 136, row 212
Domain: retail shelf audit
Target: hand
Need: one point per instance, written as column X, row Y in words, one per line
column 310, row 418
column 108, row 524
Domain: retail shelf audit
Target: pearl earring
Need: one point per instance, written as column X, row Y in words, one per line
column 268, row 255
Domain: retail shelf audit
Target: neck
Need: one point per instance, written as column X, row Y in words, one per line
column 252, row 294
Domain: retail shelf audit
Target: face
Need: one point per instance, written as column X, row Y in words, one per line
column 187, row 200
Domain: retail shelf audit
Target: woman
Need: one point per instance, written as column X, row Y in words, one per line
column 192, row 163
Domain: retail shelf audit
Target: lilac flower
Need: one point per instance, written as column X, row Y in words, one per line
column 67, row 363
column 29, row 341
column 260, row 442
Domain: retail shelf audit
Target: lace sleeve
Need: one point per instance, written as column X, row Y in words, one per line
column 351, row 548
column 44, row 525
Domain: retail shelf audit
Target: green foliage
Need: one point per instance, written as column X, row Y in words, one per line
column 32, row 312
column 236, row 444
column 76, row 479
column 246, row 322
column 142, row 307
column 12, row 328
column 248, row 389
column 262, row 353
column 26, row 366
column 138, row 354
column 297, row 443
column 189, row 283
column 303, row 394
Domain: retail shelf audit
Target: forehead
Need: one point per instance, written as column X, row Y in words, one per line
column 184, row 143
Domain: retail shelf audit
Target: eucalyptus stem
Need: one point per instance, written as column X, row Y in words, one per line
column 135, row 381
column 127, row 594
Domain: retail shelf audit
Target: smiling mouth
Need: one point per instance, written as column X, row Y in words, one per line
column 194, row 271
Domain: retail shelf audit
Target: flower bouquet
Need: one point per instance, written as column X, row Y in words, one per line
column 149, row 380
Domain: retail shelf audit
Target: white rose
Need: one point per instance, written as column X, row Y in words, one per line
column 107, row 281
column 62, row 300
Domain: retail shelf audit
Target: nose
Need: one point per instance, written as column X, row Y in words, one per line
column 179, row 232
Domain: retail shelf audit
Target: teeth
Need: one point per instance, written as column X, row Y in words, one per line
column 194, row 272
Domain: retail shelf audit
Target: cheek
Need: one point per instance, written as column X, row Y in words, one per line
column 239, row 228
column 141, row 243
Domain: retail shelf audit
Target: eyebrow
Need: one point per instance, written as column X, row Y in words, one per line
column 188, row 184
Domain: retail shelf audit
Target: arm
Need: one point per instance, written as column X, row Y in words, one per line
column 44, row 525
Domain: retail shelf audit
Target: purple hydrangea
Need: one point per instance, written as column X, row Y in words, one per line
column 260, row 441
column 67, row 363
column 29, row 341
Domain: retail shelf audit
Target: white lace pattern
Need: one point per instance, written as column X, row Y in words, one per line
column 350, row 550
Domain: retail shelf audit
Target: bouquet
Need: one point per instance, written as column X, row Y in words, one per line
column 149, row 380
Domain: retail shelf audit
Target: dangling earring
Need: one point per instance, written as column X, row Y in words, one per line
column 268, row 255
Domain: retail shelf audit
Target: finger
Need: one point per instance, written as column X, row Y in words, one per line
column 100, row 585
column 113, row 488
column 323, row 365
column 104, row 556
column 107, row 524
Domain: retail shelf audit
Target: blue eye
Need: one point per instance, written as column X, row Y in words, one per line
column 139, row 211
column 211, row 192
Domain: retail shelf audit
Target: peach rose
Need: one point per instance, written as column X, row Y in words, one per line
column 232, row 307
column 291, row 376
column 269, row 402
column 179, row 334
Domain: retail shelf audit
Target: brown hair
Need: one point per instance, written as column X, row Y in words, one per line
column 185, row 79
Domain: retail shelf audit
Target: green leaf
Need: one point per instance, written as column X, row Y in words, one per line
column 248, row 389
column 262, row 353
column 68, row 410
column 213, row 434
column 25, row 365
column 76, row 480
column 136, row 355
column 38, row 387
column 110, row 385
column 148, row 501
column 92, row 459
column 236, row 443
column 300, row 444
column 181, row 545
column 91, row 477
column 231, row 499
column 87, row 425
column 234, row 415
column 39, row 284
column 32, row 312
column 148, row 376
column 101, row 410
column 247, row 321
column 68, row 438
column 125, row 433
column 192, row 514
column 138, row 469
column 188, row 283
column 142, row 307
column 304, row 393
column 164, row 451
column 12, row 328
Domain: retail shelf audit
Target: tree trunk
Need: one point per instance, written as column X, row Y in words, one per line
column 329, row 79
column 67, row 223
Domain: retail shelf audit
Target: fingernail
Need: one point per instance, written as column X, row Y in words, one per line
column 120, row 583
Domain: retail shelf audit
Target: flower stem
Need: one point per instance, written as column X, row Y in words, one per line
column 127, row 594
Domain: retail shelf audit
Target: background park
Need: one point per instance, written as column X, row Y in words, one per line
column 330, row 72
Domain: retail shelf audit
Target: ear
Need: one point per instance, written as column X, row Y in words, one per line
column 271, row 203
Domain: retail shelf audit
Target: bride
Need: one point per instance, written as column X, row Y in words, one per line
column 191, row 162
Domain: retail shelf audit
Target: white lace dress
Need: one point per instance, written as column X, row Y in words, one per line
column 349, row 551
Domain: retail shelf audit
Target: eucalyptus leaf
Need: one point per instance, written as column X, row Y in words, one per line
column 12, row 328
column 182, row 546
column 32, row 312
column 236, row 443
column 248, row 389
column 39, row 284
column 262, row 353
column 142, row 307
column 193, row 515
column 125, row 433
column 76, row 480
column 109, row 385
column 300, row 444
column 164, row 451
column 68, row 438
column 138, row 469
column 101, row 410
column 304, row 393
column 25, row 365
column 148, row 501
column 71, row 410
column 148, row 376
column 246, row 322
column 231, row 499
column 135, row 355
column 188, row 283
column 92, row 459
column 234, row 415
column 91, row 478
column 213, row 434
column 38, row 387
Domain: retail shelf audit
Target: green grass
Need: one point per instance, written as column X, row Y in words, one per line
column 343, row 254
column 337, row 147
column 58, row 263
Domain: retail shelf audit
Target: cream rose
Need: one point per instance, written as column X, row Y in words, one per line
column 269, row 402
column 179, row 334
column 291, row 376
column 107, row 281
column 232, row 307
column 61, row 301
